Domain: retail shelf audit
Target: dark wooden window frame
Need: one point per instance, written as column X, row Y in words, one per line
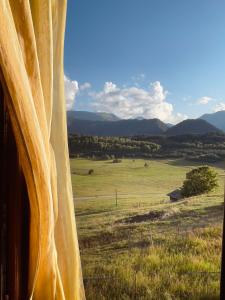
column 14, row 214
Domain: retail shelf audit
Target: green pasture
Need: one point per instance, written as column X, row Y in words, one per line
column 139, row 245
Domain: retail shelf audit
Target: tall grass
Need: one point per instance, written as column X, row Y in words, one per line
column 129, row 251
column 185, row 267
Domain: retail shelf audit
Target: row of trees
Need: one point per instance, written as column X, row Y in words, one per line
column 103, row 147
column 200, row 148
column 206, row 148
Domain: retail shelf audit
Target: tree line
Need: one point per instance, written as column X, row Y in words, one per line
column 201, row 148
column 110, row 147
column 204, row 148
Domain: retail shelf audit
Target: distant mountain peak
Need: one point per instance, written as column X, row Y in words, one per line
column 216, row 119
column 91, row 116
column 129, row 127
column 192, row 126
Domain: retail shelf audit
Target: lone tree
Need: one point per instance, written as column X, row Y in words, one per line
column 199, row 181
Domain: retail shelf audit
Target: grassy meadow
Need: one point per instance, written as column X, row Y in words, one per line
column 135, row 243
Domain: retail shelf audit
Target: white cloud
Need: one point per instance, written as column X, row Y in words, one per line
column 71, row 90
column 204, row 100
column 220, row 106
column 133, row 102
column 85, row 86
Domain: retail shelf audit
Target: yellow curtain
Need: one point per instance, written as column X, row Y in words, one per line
column 31, row 64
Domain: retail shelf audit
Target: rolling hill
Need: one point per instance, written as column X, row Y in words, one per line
column 129, row 127
column 192, row 126
column 217, row 119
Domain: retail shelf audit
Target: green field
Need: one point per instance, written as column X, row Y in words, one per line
column 139, row 245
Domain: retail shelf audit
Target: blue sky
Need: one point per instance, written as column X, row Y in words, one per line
column 150, row 58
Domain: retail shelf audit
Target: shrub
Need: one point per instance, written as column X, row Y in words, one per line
column 90, row 172
column 116, row 161
column 198, row 181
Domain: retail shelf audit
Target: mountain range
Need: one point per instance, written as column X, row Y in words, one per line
column 90, row 116
column 118, row 128
column 105, row 124
column 217, row 119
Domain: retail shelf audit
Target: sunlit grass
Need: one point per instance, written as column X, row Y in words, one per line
column 150, row 259
column 181, row 267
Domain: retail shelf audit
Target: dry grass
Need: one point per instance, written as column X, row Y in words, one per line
column 146, row 247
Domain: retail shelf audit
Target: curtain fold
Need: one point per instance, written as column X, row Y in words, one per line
column 31, row 62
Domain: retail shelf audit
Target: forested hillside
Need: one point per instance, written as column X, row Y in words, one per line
column 192, row 126
column 119, row 128
column 110, row 147
column 203, row 148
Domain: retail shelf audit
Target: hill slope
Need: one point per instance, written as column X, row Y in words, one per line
column 191, row 126
column 90, row 116
column 217, row 119
column 119, row 128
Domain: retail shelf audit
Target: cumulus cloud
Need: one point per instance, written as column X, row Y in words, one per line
column 220, row 106
column 71, row 90
column 204, row 100
column 85, row 86
column 133, row 102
